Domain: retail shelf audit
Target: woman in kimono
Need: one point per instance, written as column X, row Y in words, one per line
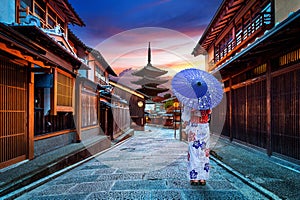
column 197, row 128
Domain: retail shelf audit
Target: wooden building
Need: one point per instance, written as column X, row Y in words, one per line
column 132, row 114
column 255, row 46
column 16, row 91
column 39, row 63
column 89, row 85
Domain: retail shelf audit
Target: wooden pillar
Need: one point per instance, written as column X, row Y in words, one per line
column 53, row 94
column 17, row 12
column 98, row 109
column 268, row 108
column 106, row 121
column 30, row 118
column 78, row 110
column 246, row 114
column 66, row 30
column 230, row 110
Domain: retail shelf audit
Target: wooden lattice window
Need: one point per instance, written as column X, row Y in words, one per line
column 53, row 19
column 261, row 69
column 63, row 92
column 39, row 8
column 289, row 58
column 45, row 11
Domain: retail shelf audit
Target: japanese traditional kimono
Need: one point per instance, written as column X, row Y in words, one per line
column 197, row 128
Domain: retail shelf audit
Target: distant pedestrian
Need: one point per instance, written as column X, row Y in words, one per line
column 197, row 128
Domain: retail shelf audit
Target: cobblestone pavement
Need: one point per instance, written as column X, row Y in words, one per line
column 150, row 165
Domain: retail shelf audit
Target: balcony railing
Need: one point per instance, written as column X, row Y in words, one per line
column 261, row 22
column 52, row 123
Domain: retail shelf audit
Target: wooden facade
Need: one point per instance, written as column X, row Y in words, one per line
column 39, row 65
column 17, row 58
column 260, row 76
column 89, row 84
column 86, row 109
column 13, row 112
column 134, row 111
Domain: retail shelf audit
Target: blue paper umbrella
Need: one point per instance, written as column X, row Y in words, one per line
column 197, row 89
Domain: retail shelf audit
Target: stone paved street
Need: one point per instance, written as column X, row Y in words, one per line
column 150, row 165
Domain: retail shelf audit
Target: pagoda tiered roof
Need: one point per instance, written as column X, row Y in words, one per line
column 149, row 71
column 151, row 91
column 145, row 80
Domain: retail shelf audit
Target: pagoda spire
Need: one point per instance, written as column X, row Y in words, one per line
column 149, row 54
column 149, row 78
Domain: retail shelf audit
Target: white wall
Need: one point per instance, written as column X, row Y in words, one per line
column 284, row 7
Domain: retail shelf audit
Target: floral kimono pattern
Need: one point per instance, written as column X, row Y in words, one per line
column 198, row 143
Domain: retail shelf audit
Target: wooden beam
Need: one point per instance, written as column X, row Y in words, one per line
column 236, row 3
column 218, row 28
column 19, row 62
column 64, row 109
column 53, row 134
column 227, row 16
column 59, row 61
column 223, row 21
column 67, row 74
column 21, row 55
column 46, row 70
column 232, row 9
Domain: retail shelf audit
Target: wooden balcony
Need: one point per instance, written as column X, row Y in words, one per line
column 246, row 35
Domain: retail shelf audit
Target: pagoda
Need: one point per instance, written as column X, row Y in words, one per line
column 149, row 78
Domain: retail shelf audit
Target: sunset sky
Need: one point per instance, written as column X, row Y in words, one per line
column 121, row 30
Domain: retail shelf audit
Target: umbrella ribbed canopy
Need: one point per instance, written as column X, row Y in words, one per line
column 197, row 89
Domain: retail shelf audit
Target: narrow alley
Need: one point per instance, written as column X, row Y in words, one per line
column 149, row 165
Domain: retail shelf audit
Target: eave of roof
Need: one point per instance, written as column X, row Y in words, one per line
column 125, row 88
column 70, row 12
column 149, row 71
column 215, row 17
column 72, row 35
column 215, row 27
column 21, row 42
column 152, row 92
column 154, row 89
column 20, row 39
column 36, row 34
column 98, row 56
column 146, row 80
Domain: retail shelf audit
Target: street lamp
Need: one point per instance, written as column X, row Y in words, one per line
column 140, row 104
column 175, row 105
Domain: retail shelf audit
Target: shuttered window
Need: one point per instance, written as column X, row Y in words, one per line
column 88, row 109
